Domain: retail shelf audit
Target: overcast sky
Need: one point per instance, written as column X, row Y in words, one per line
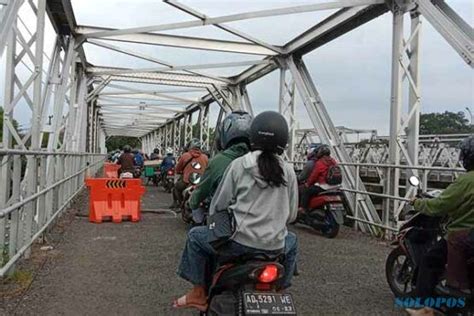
column 352, row 73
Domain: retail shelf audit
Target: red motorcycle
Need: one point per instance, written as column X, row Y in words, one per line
column 249, row 285
column 325, row 214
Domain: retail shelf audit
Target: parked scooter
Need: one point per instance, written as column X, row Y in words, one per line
column 325, row 214
column 416, row 235
column 249, row 285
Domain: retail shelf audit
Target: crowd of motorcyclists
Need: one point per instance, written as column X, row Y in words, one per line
column 249, row 177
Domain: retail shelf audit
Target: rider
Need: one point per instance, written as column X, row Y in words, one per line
column 317, row 182
column 185, row 168
column 168, row 162
column 126, row 160
column 155, row 155
column 233, row 136
column 259, row 184
column 457, row 202
column 138, row 159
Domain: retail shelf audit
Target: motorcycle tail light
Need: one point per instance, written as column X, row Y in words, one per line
column 170, row 172
column 269, row 274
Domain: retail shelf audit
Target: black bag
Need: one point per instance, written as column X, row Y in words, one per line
column 334, row 175
column 222, row 227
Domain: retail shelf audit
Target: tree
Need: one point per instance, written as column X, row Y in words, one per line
column 444, row 123
column 117, row 142
column 15, row 124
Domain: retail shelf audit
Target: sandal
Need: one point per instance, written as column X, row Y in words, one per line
column 181, row 303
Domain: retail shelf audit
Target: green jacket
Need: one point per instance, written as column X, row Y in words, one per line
column 214, row 172
column 457, row 201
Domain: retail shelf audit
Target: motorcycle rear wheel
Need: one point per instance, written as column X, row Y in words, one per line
column 400, row 274
column 331, row 231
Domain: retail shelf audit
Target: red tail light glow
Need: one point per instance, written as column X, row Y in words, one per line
column 269, row 274
column 170, row 172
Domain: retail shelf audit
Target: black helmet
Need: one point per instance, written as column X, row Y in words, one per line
column 269, row 131
column 193, row 144
column 323, row 150
column 156, row 151
column 127, row 149
column 236, row 126
column 467, row 153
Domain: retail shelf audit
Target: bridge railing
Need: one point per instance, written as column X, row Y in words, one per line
column 36, row 187
column 391, row 211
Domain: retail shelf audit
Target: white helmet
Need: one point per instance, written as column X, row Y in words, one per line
column 169, row 151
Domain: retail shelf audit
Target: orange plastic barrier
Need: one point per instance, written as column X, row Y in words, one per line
column 115, row 199
column 111, row 170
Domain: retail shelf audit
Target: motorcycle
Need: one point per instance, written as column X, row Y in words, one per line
column 249, row 285
column 167, row 180
column 325, row 214
column 415, row 237
column 186, row 211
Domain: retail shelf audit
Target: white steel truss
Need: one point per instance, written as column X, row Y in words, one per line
column 75, row 105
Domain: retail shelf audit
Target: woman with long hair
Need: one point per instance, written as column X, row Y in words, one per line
column 261, row 191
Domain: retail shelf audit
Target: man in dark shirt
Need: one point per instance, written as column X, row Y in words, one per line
column 126, row 160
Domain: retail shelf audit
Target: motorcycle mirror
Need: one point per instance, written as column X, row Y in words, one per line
column 196, row 165
column 194, row 178
column 414, row 181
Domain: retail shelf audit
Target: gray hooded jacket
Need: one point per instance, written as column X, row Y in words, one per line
column 261, row 211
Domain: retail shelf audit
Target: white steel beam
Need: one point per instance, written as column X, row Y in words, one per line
column 181, row 41
column 234, row 17
column 451, row 26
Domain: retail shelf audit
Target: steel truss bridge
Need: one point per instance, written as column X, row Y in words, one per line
column 74, row 105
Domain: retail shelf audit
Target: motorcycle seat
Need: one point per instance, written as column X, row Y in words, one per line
column 223, row 258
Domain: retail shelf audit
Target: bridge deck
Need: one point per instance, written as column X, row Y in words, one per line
column 129, row 269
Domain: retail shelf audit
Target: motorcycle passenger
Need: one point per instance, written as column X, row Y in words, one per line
column 155, row 155
column 316, row 182
column 261, row 184
column 457, row 202
column 234, row 139
column 185, row 168
column 309, row 166
column 168, row 162
column 126, row 160
column 138, row 159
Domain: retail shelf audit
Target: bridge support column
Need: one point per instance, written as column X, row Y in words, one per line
column 203, row 123
column 405, row 69
column 286, row 107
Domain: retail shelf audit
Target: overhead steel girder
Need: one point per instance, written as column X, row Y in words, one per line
column 166, row 80
column 337, row 24
column 451, row 26
column 181, row 41
column 204, row 20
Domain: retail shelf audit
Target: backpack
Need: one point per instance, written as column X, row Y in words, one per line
column 334, row 175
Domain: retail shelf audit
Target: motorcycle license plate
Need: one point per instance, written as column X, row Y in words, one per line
column 336, row 207
column 268, row 304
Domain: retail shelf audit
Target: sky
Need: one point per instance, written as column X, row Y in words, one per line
column 352, row 73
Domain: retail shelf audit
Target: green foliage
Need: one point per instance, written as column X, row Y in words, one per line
column 15, row 123
column 444, row 123
column 117, row 142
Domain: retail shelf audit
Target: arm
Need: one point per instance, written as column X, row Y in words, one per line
column 317, row 169
column 293, row 194
column 225, row 191
column 448, row 202
column 308, row 167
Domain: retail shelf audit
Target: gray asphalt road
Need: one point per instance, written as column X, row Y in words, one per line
column 129, row 269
